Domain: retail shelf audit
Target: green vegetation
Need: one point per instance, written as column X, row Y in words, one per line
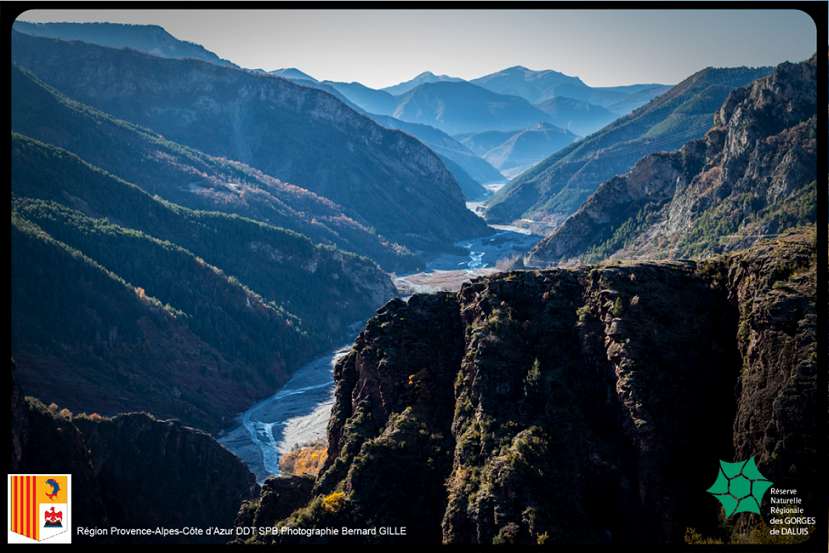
column 618, row 308
column 284, row 267
column 134, row 302
column 185, row 176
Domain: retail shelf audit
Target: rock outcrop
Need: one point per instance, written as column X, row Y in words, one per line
column 575, row 406
column 132, row 470
column 751, row 175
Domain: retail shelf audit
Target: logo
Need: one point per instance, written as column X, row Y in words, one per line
column 740, row 487
column 39, row 508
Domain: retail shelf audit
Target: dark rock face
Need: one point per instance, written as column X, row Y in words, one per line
column 776, row 413
column 279, row 497
column 131, row 471
column 753, row 174
column 589, row 406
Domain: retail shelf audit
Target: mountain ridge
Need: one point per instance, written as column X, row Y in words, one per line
column 414, row 200
column 751, row 174
column 556, row 187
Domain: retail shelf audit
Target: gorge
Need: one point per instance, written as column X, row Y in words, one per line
column 515, row 308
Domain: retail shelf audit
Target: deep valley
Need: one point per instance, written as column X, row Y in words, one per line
column 508, row 307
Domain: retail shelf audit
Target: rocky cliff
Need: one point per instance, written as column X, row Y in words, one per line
column 132, row 470
column 576, row 406
column 751, row 175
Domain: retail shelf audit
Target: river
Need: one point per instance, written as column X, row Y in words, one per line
column 298, row 413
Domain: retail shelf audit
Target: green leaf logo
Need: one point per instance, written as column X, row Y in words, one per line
column 740, row 487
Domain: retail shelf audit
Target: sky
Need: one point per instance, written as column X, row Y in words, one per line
column 383, row 47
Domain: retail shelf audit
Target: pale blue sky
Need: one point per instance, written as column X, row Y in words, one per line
column 383, row 47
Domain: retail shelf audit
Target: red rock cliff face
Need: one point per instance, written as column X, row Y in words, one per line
column 576, row 406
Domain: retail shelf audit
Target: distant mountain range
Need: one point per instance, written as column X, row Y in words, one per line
column 468, row 169
column 563, row 101
column 578, row 116
column 385, row 178
column 539, row 86
column 512, row 152
column 752, row 175
column 556, row 187
column 461, row 107
column 423, row 78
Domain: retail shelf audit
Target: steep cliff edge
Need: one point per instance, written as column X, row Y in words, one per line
column 132, row 470
column 590, row 405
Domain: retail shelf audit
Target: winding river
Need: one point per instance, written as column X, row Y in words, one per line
column 298, row 413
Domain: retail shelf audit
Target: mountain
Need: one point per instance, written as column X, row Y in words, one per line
column 461, row 107
column 188, row 177
column 577, row 116
column 468, row 169
column 293, row 74
column 513, row 152
column 134, row 456
column 556, row 187
column 533, row 86
column 637, row 96
column 423, row 78
column 460, row 160
column 368, row 99
column 548, row 407
column 229, row 306
column 381, row 177
column 753, row 174
column 539, row 86
column 150, row 39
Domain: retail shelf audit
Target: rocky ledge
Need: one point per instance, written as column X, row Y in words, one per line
column 564, row 406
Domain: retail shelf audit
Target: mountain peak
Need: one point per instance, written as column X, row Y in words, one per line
column 292, row 73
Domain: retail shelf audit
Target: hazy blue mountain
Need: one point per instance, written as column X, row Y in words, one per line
column 150, row 39
column 513, row 152
column 461, row 107
column 368, row 99
column 534, row 86
column 189, row 177
column 423, row 78
column 467, row 168
column 292, row 73
column 578, row 116
column 385, row 178
column 623, row 99
column 449, row 149
column 639, row 96
column 538, row 86
column 556, row 187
